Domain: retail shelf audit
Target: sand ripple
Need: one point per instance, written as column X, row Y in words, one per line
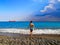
column 27, row 41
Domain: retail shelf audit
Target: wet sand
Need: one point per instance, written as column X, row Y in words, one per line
column 21, row 39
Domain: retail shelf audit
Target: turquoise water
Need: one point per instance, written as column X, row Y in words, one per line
column 24, row 25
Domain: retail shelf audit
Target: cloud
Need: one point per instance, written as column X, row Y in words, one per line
column 44, row 18
column 52, row 1
column 54, row 16
column 50, row 7
column 59, row 0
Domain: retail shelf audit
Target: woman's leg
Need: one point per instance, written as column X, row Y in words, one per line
column 31, row 33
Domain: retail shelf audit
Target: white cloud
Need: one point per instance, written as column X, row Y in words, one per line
column 50, row 6
column 59, row 0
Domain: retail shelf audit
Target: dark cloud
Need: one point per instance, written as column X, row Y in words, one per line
column 51, row 16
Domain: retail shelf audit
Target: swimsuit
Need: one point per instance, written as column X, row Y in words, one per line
column 31, row 27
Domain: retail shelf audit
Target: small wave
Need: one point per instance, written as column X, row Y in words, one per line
column 27, row 31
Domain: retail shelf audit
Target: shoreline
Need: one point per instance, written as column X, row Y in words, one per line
column 27, row 31
column 48, row 36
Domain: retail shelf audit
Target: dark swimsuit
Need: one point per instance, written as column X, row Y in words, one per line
column 31, row 30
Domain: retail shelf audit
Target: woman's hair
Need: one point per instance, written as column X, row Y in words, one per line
column 30, row 21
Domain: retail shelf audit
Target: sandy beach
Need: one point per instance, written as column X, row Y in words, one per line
column 21, row 39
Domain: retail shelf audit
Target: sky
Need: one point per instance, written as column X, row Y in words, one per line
column 26, row 10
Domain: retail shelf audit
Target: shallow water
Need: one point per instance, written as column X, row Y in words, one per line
column 27, row 31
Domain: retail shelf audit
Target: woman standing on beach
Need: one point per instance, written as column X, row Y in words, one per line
column 31, row 28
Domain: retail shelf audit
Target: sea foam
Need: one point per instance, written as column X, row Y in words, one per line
column 36, row 31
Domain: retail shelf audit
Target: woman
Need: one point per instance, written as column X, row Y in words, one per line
column 31, row 27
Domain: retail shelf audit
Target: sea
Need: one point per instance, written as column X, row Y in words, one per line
column 40, row 27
